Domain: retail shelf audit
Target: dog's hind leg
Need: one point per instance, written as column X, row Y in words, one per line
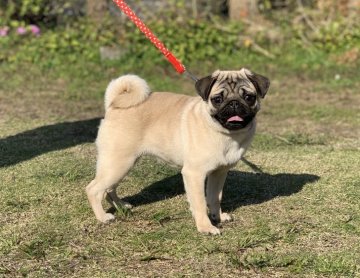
column 114, row 200
column 109, row 173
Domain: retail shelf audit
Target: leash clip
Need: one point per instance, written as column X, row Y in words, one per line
column 191, row 76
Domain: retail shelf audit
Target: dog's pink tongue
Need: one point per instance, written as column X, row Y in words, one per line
column 235, row 119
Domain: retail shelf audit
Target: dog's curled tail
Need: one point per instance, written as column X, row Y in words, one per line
column 126, row 91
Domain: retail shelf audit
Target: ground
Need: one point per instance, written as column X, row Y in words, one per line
column 298, row 215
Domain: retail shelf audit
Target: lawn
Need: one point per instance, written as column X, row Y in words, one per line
column 295, row 202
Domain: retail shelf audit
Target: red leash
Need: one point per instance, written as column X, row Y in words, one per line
column 179, row 67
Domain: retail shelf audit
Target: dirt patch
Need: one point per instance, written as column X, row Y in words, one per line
column 349, row 57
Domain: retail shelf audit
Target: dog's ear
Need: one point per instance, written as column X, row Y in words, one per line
column 261, row 83
column 204, row 86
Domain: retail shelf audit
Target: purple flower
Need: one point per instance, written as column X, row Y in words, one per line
column 4, row 31
column 21, row 31
column 35, row 29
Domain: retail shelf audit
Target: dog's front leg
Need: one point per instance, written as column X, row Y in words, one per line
column 214, row 187
column 194, row 182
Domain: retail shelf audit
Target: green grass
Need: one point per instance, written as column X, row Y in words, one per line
column 298, row 217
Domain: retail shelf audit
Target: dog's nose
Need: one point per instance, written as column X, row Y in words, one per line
column 234, row 104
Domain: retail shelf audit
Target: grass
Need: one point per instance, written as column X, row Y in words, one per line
column 298, row 217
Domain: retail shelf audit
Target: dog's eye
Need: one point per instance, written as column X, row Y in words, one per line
column 250, row 99
column 217, row 99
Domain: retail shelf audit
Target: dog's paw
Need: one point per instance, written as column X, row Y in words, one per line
column 107, row 218
column 209, row 230
column 126, row 204
column 221, row 218
column 225, row 217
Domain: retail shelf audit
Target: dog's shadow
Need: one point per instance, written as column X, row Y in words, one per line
column 241, row 188
column 31, row 143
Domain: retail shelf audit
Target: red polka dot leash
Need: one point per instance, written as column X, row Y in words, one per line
column 179, row 67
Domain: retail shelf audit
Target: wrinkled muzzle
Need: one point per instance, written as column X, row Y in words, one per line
column 234, row 115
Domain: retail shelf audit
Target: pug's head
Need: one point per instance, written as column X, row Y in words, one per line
column 233, row 97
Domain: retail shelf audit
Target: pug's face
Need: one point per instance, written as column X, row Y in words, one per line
column 233, row 97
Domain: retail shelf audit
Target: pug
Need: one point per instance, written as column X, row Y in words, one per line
column 205, row 135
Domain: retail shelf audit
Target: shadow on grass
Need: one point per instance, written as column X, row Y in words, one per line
column 158, row 191
column 241, row 188
column 31, row 143
column 246, row 188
